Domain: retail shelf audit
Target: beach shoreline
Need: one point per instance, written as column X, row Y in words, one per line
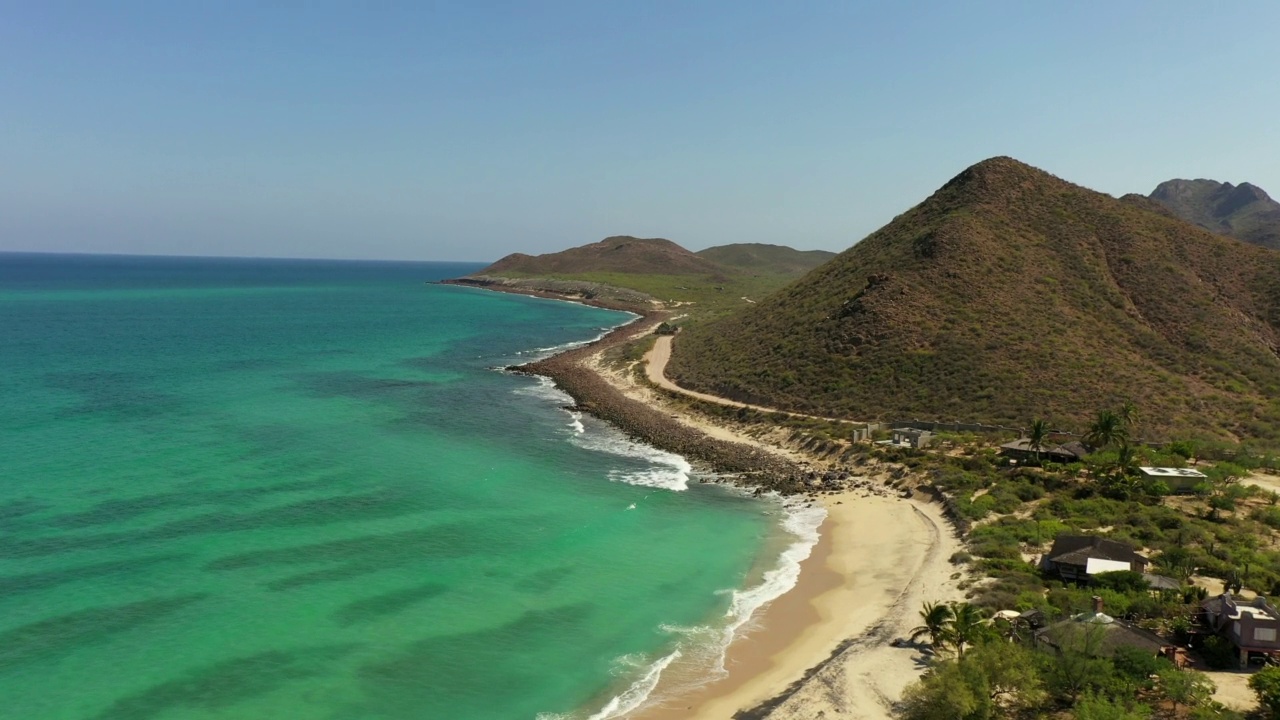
column 824, row 644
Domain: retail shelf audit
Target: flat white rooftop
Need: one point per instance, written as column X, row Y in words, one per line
column 1257, row 612
column 1172, row 472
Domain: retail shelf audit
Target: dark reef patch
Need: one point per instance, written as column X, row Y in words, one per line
column 387, row 503
column 120, row 395
column 543, row 580
column 11, row 585
column 439, row 542
column 224, row 684
column 62, row 634
column 123, row 509
column 378, row 606
column 328, row 575
column 422, row 678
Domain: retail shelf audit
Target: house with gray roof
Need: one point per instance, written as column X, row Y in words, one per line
column 1076, row 557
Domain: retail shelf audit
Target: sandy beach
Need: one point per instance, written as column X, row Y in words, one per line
column 823, row 648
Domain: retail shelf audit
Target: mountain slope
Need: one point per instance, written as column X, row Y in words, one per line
column 762, row 258
column 1244, row 211
column 619, row 254
column 1011, row 294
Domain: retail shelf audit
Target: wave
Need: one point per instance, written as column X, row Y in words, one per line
column 706, row 647
column 544, row 389
column 801, row 521
column 543, row 353
column 634, row 696
column 666, row 470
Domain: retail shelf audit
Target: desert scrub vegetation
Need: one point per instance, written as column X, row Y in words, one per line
column 986, row 668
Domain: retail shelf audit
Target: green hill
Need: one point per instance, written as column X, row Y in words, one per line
column 616, row 268
column 1242, row 211
column 762, row 258
column 619, row 254
column 1011, row 294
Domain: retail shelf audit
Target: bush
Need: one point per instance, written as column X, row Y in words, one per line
column 1266, row 685
column 1125, row 581
column 1219, row 653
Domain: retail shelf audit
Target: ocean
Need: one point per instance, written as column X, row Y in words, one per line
column 238, row 489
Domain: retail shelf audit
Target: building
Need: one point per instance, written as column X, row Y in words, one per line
column 1251, row 626
column 909, row 437
column 1179, row 480
column 1099, row 635
column 1076, row 557
column 1021, row 451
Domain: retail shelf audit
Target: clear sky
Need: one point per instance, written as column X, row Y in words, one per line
column 468, row 130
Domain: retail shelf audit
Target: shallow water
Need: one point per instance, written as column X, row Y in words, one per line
column 285, row 489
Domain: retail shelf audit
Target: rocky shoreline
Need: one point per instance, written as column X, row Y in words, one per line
column 749, row 466
column 598, row 295
column 738, row 463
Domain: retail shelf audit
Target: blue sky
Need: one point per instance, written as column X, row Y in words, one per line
column 468, row 130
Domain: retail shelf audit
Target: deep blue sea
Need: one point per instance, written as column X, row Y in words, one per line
column 268, row 489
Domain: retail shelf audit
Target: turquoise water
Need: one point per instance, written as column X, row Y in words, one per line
column 284, row 489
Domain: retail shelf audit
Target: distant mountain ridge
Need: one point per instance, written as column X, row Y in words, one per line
column 1242, row 211
column 617, row 254
column 760, row 257
column 1011, row 294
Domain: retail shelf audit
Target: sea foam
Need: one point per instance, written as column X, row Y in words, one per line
column 665, row 470
column 705, row 646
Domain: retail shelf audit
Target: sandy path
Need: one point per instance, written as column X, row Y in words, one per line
column 656, row 370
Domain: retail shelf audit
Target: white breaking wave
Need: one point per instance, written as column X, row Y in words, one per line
column 543, row 353
column 705, row 646
column 634, row 696
column 667, row 470
column 545, row 389
column 803, row 522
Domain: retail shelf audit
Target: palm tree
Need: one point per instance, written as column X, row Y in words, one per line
column 1107, row 429
column 967, row 626
column 1036, row 438
column 1126, row 459
column 936, row 617
column 1130, row 415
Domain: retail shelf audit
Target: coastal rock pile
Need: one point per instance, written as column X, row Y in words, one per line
column 591, row 393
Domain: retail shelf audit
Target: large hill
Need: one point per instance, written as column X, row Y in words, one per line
column 619, row 254
column 636, row 271
column 762, row 258
column 1011, row 294
column 1243, row 211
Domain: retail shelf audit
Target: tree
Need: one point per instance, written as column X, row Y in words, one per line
column 1124, row 581
column 936, row 618
column 1266, row 685
column 1107, row 429
column 1095, row 707
column 1186, row 687
column 947, row 692
column 1011, row 674
column 1130, row 416
column 968, row 626
column 994, row 680
column 1037, row 436
column 1176, row 562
